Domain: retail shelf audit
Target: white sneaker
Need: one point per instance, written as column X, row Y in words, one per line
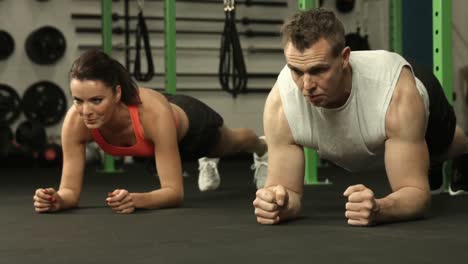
column 261, row 167
column 208, row 177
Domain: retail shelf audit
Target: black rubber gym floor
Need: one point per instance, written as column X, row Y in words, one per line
column 218, row 226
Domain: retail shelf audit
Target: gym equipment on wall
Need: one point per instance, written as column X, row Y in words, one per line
column 245, row 2
column 6, row 138
column 357, row 42
column 45, row 45
column 119, row 31
column 142, row 33
column 31, row 134
column 205, row 74
column 10, row 104
column 50, row 156
column 250, row 49
column 45, row 102
column 231, row 59
column 7, row 44
column 345, row 6
column 243, row 20
column 17, row 156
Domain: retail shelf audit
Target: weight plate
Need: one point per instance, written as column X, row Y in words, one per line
column 45, row 102
column 10, row 104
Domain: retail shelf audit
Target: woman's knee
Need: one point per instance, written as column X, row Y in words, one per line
column 459, row 143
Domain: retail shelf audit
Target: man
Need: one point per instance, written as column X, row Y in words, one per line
column 356, row 109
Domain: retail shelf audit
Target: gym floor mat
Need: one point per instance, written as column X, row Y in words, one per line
column 217, row 226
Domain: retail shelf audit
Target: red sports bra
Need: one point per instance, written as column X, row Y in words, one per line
column 142, row 146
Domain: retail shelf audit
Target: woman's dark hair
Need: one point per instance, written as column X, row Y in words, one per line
column 305, row 28
column 96, row 65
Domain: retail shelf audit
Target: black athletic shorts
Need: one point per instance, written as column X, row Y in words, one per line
column 442, row 120
column 204, row 123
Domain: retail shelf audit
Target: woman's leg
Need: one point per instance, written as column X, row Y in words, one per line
column 237, row 140
column 458, row 152
column 459, row 144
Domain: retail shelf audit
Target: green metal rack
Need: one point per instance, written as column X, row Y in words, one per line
column 170, row 45
column 106, row 9
column 442, row 58
column 311, row 157
column 396, row 37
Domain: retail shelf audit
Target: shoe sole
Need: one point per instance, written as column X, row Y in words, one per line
column 456, row 193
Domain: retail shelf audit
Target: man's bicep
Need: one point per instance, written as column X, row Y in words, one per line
column 406, row 153
column 285, row 158
column 406, row 163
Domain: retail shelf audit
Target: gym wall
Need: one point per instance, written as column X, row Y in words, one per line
column 417, row 45
column 460, row 61
column 20, row 17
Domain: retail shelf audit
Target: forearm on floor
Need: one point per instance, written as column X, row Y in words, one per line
column 162, row 198
column 407, row 203
column 68, row 198
column 293, row 207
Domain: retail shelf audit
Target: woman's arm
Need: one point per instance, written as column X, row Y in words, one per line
column 158, row 125
column 74, row 137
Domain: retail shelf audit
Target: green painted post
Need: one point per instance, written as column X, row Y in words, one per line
column 442, row 44
column 442, row 58
column 106, row 10
column 107, row 26
column 170, row 45
column 311, row 156
column 396, row 40
column 307, row 4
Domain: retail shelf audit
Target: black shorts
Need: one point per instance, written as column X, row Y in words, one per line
column 442, row 121
column 204, row 123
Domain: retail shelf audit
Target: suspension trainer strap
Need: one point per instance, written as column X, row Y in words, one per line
column 142, row 32
column 232, row 67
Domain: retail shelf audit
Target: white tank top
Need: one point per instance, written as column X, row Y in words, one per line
column 353, row 135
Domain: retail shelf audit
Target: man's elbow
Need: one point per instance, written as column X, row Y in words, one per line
column 426, row 204
column 423, row 205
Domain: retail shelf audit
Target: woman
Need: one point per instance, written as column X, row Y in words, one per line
column 125, row 120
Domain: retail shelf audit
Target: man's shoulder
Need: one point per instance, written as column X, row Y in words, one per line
column 372, row 58
column 373, row 53
column 275, row 122
column 274, row 110
column 273, row 101
column 376, row 64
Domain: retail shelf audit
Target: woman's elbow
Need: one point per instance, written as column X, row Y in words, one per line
column 178, row 198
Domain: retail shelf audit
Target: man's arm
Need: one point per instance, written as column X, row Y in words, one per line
column 280, row 199
column 406, row 155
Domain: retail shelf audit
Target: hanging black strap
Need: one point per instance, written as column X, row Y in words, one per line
column 231, row 63
column 142, row 32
